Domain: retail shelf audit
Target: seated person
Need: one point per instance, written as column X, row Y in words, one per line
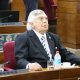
column 29, row 50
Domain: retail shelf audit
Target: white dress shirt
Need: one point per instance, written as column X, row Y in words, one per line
column 45, row 42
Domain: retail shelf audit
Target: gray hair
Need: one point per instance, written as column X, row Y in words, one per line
column 32, row 16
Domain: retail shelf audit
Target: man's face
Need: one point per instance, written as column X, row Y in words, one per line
column 41, row 23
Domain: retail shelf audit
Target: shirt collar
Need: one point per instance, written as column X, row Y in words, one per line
column 40, row 35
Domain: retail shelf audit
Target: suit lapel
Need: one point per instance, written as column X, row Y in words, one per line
column 51, row 44
column 37, row 42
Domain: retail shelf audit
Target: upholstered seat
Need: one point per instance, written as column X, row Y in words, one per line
column 9, row 56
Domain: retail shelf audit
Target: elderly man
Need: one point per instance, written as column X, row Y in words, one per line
column 29, row 49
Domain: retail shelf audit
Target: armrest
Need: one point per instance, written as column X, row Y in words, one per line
column 8, row 69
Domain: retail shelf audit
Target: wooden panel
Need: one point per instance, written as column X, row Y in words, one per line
column 19, row 5
column 78, row 29
column 70, row 79
column 12, row 29
column 61, row 74
column 38, row 75
column 67, row 29
column 67, row 7
column 68, row 23
column 69, row 73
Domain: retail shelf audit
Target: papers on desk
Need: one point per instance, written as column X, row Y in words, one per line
column 64, row 65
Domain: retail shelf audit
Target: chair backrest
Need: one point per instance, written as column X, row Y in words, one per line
column 9, row 56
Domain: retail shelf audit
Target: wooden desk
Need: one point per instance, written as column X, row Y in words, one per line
column 62, row 74
column 12, row 29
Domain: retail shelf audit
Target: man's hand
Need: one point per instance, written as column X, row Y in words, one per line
column 10, row 1
column 34, row 67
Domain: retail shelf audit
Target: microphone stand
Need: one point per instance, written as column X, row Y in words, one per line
column 5, row 17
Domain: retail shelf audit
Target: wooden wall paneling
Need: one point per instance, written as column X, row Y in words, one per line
column 69, row 74
column 19, row 5
column 68, row 22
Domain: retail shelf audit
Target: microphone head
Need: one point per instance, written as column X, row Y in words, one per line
column 10, row 15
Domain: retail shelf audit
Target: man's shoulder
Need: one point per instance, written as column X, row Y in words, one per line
column 22, row 35
column 53, row 35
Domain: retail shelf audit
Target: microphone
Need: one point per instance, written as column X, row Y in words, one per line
column 9, row 16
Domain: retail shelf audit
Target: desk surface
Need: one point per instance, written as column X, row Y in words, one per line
column 62, row 74
column 12, row 29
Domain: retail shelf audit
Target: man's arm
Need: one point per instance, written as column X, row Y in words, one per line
column 67, row 55
column 21, row 51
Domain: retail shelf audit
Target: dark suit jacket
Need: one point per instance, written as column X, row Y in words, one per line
column 28, row 48
column 30, row 5
column 4, row 4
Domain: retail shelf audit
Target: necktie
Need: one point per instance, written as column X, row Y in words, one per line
column 46, row 47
